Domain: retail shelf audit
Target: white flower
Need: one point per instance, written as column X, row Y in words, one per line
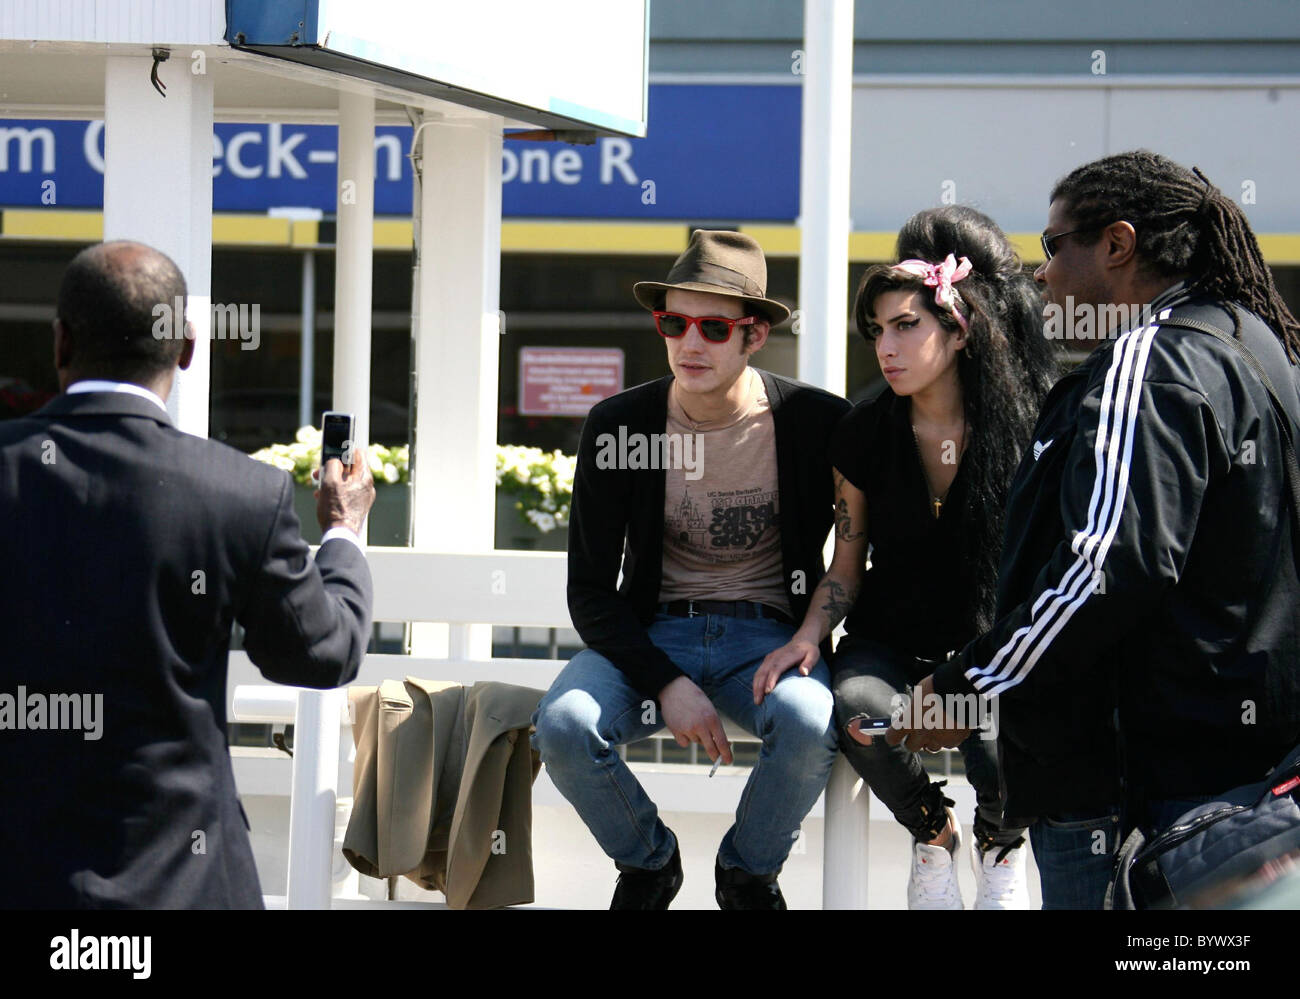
column 544, row 522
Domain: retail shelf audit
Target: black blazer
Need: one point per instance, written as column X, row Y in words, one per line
column 618, row 514
column 130, row 550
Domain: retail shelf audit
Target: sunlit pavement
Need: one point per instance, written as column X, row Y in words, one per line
column 571, row 871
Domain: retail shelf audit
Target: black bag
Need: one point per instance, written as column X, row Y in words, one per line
column 1208, row 848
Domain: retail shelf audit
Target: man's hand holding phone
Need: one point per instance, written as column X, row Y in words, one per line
column 347, row 488
column 346, row 493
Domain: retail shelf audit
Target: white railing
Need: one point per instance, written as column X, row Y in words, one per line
column 496, row 588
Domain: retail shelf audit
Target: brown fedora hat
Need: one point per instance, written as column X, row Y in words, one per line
column 719, row 262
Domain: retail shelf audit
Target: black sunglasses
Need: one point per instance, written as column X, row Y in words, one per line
column 1049, row 242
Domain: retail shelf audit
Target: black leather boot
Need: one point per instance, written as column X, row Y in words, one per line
column 737, row 889
column 638, row 888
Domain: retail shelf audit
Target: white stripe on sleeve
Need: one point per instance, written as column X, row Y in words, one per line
column 1113, row 452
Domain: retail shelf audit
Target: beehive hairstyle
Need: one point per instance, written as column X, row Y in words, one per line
column 1005, row 369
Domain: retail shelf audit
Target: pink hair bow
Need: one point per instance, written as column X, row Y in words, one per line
column 940, row 277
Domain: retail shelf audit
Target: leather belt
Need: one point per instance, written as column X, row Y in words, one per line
column 727, row 608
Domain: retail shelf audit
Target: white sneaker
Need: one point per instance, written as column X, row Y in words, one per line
column 933, row 884
column 1002, row 883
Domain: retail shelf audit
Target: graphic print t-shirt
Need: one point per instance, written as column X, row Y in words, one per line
column 722, row 532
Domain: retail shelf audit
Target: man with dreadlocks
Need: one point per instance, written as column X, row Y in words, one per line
column 1145, row 652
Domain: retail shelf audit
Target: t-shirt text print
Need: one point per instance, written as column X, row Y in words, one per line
column 722, row 531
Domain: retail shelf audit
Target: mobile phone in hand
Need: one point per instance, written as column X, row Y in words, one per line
column 336, row 437
column 868, row 725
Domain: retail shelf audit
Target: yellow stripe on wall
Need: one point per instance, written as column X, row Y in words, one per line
column 872, row 246
column 529, row 236
column 776, row 240
column 82, row 227
column 593, row 237
column 393, row 234
column 1280, row 247
column 251, row 230
column 1028, row 245
column 304, row 232
column 227, row 230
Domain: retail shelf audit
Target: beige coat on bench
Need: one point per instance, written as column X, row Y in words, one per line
column 442, row 788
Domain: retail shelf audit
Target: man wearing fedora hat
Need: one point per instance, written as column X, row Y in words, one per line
column 711, row 489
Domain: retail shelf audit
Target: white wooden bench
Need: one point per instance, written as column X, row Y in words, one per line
column 460, row 590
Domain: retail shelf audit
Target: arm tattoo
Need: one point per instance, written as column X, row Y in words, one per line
column 839, row 599
column 843, row 522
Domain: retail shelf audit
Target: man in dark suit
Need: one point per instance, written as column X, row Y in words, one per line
column 132, row 549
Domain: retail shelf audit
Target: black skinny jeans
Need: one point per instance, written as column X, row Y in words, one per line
column 867, row 677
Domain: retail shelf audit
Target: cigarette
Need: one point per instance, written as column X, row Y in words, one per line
column 716, row 764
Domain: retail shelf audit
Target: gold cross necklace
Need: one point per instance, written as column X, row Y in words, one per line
column 938, row 501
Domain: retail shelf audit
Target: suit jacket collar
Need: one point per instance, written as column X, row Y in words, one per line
column 81, row 404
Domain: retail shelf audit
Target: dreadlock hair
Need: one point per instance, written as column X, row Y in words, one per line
column 1005, row 370
column 1185, row 227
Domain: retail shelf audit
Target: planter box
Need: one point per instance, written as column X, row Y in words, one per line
column 514, row 532
column 388, row 517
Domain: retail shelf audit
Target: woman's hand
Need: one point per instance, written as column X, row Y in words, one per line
column 797, row 652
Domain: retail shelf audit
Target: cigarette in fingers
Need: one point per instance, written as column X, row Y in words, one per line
column 716, row 763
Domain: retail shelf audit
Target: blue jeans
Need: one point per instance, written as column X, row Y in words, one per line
column 1075, row 853
column 591, row 708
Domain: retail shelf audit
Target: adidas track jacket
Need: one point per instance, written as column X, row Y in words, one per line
column 1148, row 590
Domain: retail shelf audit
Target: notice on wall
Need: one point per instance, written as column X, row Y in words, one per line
column 567, row 381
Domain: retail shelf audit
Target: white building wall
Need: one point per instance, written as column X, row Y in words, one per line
column 1001, row 148
column 144, row 22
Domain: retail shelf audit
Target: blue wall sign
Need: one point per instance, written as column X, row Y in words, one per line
column 712, row 152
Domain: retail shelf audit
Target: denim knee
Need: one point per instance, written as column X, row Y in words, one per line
column 566, row 727
column 801, row 716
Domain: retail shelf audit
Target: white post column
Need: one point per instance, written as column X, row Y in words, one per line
column 457, row 349
column 826, row 143
column 314, row 798
column 824, row 191
column 846, row 828
column 316, row 731
column 354, row 259
column 158, row 190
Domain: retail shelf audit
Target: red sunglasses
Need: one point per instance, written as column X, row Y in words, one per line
column 715, row 329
